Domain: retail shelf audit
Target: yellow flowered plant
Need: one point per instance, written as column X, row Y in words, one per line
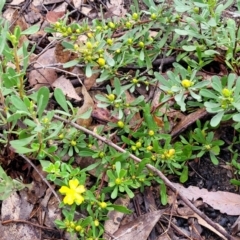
column 73, row 192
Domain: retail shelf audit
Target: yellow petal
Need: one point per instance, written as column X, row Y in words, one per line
column 73, row 183
column 78, row 199
column 68, row 199
column 80, row 189
column 64, row 190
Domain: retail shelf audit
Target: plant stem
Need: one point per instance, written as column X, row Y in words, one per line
column 17, row 65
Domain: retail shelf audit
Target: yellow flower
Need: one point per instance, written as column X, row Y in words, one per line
column 120, row 124
column 226, row 92
column 102, row 204
column 73, row 192
column 96, row 223
column 186, row 83
column 101, row 62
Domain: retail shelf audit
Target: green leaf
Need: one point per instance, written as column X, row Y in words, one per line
column 141, row 55
column 71, row 63
column 184, row 175
column 61, row 100
column 22, row 142
column 42, row 100
column 111, row 176
column 3, row 35
column 217, row 84
column 211, row 52
column 86, row 115
column 236, row 117
column 2, row 3
column 3, row 175
column 110, row 61
column 215, row 150
column 117, row 86
column 207, row 93
column 23, row 150
column 129, row 192
column 189, row 48
column 189, row 33
column 45, row 164
column 120, row 208
column 90, row 167
column 19, row 104
column 118, row 168
column 216, row 119
column 235, row 182
column 114, row 193
column 67, row 45
column 88, row 71
column 33, row 29
column 55, row 132
column 213, row 159
column 195, row 96
column 163, row 194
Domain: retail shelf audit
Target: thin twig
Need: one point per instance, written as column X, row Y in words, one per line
column 153, row 169
column 42, row 177
column 28, row 222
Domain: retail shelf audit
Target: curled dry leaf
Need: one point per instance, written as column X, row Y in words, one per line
column 66, row 86
column 88, row 104
column 43, row 76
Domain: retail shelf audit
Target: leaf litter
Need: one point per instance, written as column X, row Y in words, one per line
column 45, row 74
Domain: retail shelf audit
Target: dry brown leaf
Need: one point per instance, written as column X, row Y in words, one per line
column 62, row 55
column 225, row 202
column 44, row 76
column 17, row 2
column 115, row 8
column 33, row 15
column 53, row 16
column 67, row 87
column 90, row 81
column 88, row 103
column 188, row 120
column 114, row 217
column 140, row 228
column 78, row 3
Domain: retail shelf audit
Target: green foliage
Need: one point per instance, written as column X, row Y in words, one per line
column 9, row 185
